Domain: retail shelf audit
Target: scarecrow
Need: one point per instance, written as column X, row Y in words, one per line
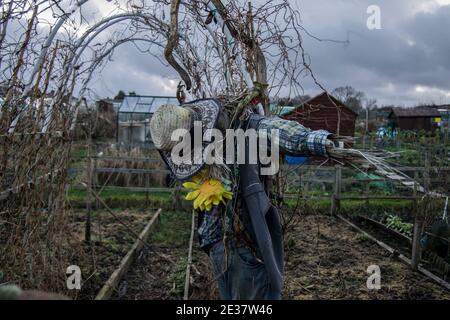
column 238, row 226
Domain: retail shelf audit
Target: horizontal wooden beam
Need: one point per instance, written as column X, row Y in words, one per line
column 127, row 170
column 331, row 168
column 355, row 198
column 130, row 159
column 134, row 189
column 378, row 198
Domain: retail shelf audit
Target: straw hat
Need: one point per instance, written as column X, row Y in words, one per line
column 168, row 118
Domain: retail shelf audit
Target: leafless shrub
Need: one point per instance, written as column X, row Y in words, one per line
column 49, row 48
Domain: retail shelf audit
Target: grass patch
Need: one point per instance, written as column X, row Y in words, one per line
column 78, row 152
column 121, row 198
column 173, row 230
column 354, row 207
column 80, row 194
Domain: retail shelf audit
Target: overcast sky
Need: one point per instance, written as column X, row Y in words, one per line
column 406, row 62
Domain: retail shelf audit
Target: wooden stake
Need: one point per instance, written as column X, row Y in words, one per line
column 87, row 233
column 107, row 290
column 336, row 198
column 189, row 261
column 416, row 248
column 94, row 177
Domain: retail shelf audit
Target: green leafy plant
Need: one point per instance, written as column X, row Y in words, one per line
column 396, row 223
column 177, row 278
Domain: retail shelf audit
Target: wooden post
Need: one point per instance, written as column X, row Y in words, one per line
column 177, row 196
column 189, row 261
column 420, row 209
column 95, row 181
column 426, row 174
column 416, row 179
column 416, row 248
column 87, row 232
column 336, row 198
column 416, row 253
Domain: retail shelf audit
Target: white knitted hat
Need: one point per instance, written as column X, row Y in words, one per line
column 167, row 119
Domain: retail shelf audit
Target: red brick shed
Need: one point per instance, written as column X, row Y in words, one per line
column 325, row 112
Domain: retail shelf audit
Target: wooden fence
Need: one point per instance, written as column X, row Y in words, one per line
column 299, row 178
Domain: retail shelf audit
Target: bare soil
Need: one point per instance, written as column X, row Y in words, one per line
column 325, row 259
column 110, row 242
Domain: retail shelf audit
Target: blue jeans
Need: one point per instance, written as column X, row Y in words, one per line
column 241, row 276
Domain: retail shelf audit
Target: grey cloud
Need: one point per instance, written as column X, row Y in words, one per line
column 380, row 59
column 411, row 50
column 131, row 70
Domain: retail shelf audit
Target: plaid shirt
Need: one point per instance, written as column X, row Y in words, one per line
column 294, row 139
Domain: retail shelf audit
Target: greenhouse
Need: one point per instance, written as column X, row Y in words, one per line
column 133, row 118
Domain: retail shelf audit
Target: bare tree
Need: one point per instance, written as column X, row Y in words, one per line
column 51, row 51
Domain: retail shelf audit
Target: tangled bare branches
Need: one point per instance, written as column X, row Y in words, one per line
column 50, row 50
